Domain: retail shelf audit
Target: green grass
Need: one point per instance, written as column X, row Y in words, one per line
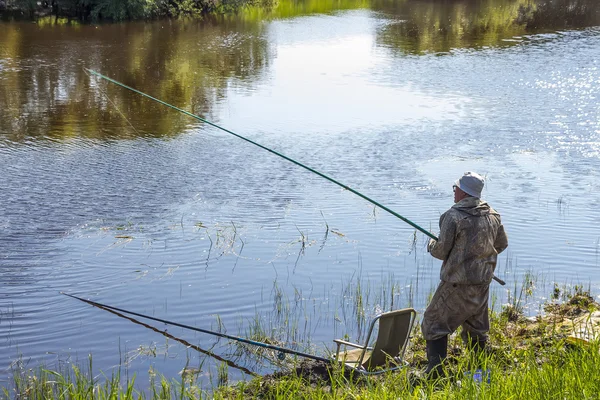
column 555, row 372
column 573, row 374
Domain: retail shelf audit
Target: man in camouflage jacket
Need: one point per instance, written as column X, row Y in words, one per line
column 471, row 237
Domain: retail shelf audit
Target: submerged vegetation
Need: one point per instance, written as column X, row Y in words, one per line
column 553, row 355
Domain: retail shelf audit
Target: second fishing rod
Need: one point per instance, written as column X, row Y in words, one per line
column 377, row 204
column 282, row 350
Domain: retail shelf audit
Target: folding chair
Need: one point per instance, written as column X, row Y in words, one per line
column 388, row 352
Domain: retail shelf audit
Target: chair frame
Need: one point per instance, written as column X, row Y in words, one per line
column 397, row 360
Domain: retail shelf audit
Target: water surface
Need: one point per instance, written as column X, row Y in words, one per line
column 108, row 195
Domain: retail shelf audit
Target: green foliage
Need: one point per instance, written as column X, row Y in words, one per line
column 114, row 10
column 28, row 6
column 197, row 8
column 120, row 10
column 117, row 10
column 432, row 24
column 175, row 8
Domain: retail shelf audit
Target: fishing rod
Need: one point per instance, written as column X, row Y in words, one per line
column 282, row 350
column 314, row 171
column 182, row 341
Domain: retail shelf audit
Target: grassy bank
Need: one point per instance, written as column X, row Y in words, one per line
column 554, row 355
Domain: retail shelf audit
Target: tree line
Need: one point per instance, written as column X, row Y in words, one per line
column 120, row 10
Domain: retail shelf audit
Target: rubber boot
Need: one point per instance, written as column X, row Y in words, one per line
column 437, row 350
column 479, row 345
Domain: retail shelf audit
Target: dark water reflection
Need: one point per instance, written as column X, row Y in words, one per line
column 108, row 195
column 185, row 63
column 439, row 26
column 46, row 93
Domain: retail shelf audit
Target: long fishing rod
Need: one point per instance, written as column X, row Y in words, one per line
column 182, row 341
column 281, row 350
column 314, row 171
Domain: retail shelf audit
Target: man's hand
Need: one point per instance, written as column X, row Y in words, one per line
column 430, row 245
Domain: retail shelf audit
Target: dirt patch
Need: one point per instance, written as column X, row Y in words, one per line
column 576, row 321
column 577, row 305
column 313, row 371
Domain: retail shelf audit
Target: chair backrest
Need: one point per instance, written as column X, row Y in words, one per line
column 392, row 338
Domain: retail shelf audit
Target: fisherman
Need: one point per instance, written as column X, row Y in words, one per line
column 471, row 237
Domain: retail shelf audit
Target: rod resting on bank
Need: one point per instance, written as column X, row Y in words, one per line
column 377, row 204
column 280, row 349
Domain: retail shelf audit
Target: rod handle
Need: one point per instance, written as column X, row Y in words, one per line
column 500, row 281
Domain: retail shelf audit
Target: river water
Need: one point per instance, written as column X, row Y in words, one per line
column 110, row 196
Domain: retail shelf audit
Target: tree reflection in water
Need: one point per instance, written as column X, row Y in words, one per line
column 45, row 92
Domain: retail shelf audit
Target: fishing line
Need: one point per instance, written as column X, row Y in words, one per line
column 395, row 214
column 282, row 350
column 114, row 104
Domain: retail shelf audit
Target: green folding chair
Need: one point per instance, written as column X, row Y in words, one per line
column 387, row 354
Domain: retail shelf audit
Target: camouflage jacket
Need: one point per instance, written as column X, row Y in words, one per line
column 471, row 237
